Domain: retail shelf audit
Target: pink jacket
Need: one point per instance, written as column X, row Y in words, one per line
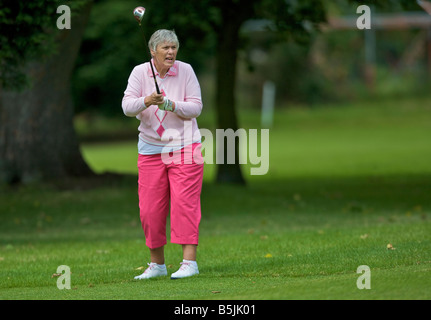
column 180, row 85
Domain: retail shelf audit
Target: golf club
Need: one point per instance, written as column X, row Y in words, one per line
column 138, row 13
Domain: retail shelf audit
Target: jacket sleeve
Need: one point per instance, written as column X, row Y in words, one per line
column 133, row 101
column 192, row 105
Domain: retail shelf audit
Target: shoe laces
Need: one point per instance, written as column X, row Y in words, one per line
column 150, row 266
column 184, row 265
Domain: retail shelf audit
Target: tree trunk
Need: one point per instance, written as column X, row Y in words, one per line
column 228, row 37
column 37, row 136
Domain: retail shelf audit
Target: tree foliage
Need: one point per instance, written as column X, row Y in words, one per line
column 37, row 137
column 28, row 33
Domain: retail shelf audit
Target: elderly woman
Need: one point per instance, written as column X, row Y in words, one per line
column 177, row 182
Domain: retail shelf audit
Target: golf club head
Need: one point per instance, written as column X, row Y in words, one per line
column 138, row 13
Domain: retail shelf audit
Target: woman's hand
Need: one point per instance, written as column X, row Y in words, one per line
column 167, row 105
column 154, row 99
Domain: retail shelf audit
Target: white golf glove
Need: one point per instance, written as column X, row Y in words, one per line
column 167, row 105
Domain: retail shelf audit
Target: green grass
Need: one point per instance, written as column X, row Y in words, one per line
column 343, row 184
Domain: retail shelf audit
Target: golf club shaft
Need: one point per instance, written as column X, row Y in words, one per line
column 151, row 64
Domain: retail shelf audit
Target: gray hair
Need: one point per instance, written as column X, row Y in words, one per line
column 161, row 36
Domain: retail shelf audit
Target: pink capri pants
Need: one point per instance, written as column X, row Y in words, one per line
column 177, row 178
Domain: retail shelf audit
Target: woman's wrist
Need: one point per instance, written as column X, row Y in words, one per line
column 147, row 101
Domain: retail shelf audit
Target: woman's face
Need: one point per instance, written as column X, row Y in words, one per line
column 165, row 55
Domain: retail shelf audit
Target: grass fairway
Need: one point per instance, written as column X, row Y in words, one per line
column 343, row 184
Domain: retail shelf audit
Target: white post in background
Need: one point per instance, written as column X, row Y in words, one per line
column 268, row 99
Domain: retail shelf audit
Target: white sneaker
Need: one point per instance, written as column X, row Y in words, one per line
column 153, row 270
column 187, row 269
